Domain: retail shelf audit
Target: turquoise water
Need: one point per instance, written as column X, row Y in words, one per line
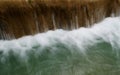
column 85, row 51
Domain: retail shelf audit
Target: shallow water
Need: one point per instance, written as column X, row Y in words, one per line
column 85, row 51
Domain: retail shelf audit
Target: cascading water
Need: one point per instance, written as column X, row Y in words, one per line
column 85, row 51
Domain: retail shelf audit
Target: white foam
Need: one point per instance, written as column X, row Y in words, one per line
column 108, row 30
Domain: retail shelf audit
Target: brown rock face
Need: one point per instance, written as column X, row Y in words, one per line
column 28, row 17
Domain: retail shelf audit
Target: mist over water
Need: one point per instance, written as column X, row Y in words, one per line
column 85, row 51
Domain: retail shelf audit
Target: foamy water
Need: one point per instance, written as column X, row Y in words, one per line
column 85, row 51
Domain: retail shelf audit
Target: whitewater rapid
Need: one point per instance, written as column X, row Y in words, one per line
column 85, row 51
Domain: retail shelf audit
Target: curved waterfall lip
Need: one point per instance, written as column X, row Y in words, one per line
column 28, row 17
column 85, row 51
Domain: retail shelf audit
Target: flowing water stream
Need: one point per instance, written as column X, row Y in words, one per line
column 85, row 51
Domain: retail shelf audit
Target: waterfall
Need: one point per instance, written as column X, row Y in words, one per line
column 84, row 51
